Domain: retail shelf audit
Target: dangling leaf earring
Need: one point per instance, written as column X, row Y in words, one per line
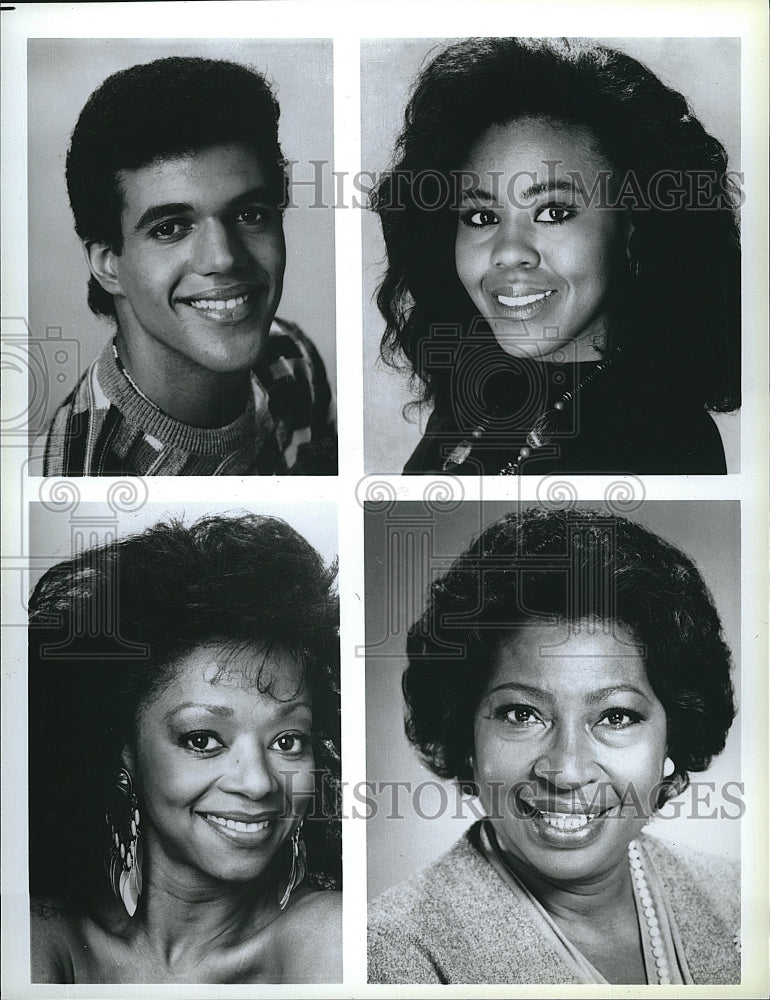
column 298, row 866
column 669, row 767
column 124, row 859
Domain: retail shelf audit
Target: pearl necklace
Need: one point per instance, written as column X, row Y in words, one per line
column 650, row 913
column 539, row 434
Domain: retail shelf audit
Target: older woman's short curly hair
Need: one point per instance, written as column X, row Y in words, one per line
column 565, row 566
column 106, row 629
column 678, row 314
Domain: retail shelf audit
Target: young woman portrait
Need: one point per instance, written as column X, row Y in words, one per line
column 184, row 758
column 557, row 271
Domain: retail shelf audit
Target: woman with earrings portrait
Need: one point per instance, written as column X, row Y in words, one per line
column 184, row 759
column 563, row 265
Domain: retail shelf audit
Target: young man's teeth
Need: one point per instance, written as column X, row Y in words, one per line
column 218, row 304
column 234, row 824
column 568, row 821
column 522, row 300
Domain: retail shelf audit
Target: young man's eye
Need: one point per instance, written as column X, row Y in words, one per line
column 619, row 718
column 478, row 218
column 292, row 744
column 554, row 215
column 169, row 230
column 253, row 215
column 201, row 742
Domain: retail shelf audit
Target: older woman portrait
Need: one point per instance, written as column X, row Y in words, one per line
column 562, row 277
column 184, row 759
column 570, row 672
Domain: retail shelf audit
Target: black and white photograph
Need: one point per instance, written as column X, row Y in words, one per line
column 181, row 287
column 565, row 676
column 552, row 265
column 184, row 746
column 385, row 490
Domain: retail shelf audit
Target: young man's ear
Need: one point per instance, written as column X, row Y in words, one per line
column 101, row 260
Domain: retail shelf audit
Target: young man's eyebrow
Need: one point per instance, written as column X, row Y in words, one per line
column 156, row 213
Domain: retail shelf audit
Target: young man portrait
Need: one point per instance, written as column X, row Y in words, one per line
column 177, row 183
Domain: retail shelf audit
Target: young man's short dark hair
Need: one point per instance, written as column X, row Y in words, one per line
column 177, row 183
column 124, row 126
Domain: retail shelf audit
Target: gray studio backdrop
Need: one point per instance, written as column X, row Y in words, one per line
column 62, row 73
column 706, row 70
column 400, row 539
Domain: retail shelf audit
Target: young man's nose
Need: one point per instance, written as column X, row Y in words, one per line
column 218, row 248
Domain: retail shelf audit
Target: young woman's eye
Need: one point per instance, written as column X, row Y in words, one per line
column 619, row 718
column 170, row 230
column 554, row 215
column 202, row 742
column 292, row 744
column 478, row 218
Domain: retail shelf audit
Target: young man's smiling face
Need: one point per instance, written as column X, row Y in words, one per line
column 200, row 273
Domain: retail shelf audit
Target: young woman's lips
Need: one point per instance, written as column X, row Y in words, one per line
column 519, row 304
column 241, row 830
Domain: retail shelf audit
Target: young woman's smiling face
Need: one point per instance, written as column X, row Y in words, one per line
column 223, row 771
column 569, row 745
column 537, row 257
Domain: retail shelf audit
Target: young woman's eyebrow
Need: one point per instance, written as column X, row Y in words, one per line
column 476, row 194
column 546, row 187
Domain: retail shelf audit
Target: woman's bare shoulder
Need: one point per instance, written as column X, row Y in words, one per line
column 53, row 929
column 314, row 922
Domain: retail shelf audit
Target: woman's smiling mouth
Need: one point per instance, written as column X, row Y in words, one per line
column 242, row 832
column 520, row 306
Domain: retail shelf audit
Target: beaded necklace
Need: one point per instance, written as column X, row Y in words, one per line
column 539, row 434
column 650, row 914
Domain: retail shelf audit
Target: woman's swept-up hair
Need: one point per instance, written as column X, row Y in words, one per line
column 106, row 629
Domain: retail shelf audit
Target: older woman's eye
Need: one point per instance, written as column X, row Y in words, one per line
column 201, row 742
column 620, row 718
column 478, row 218
column 554, row 215
column 520, row 715
column 292, row 744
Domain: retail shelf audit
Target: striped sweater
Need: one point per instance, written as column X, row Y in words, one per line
column 106, row 428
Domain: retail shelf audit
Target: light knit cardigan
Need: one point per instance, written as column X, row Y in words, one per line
column 458, row 922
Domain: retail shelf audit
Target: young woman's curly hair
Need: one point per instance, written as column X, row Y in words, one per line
column 678, row 313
